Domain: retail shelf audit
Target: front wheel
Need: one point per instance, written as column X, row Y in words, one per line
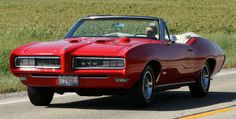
column 201, row 87
column 40, row 96
column 144, row 90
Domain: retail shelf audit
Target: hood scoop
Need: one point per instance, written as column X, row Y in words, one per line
column 101, row 41
column 121, row 40
column 125, row 39
column 74, row 41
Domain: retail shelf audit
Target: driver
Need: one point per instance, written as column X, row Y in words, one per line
column 151, row 31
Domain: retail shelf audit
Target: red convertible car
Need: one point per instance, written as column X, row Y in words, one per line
column 108, row 55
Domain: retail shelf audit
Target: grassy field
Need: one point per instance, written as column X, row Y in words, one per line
column 24, row 21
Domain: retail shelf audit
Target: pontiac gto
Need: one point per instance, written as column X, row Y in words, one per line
column 108, row 55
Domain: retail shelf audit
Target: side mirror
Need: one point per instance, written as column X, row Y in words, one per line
column 173, row 38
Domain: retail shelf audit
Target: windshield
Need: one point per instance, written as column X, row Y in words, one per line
column 116, row 28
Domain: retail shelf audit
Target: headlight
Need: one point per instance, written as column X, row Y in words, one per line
column 37, row 62
column 98, row 63
column 25, row 62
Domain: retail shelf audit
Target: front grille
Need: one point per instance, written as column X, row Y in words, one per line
column 37, row 62
column 98, row 63
column 47, row 62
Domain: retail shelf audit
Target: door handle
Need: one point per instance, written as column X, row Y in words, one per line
column 190, row 49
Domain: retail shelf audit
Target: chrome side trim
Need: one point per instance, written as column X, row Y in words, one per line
column 171, row 84
column 41, row 76
column 99, row 68
column 102, row 77
column 83, row 77
column 103, row 58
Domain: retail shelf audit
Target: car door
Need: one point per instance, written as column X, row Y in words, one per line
column 181, row 62
column 179, row 67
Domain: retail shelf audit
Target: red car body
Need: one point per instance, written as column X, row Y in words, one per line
column 174, row 64
column 177, row 63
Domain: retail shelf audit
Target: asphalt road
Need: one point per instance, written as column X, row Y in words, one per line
column 220, row 103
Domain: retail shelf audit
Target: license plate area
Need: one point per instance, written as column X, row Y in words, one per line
column 68, row 80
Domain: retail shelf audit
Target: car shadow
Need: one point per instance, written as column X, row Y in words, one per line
column 164, row 101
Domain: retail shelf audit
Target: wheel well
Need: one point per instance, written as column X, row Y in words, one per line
column 212, row 63
column 156, row 67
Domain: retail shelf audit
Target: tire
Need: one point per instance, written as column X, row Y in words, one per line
column 143, row 92
column 40, row 96
column 202, row 85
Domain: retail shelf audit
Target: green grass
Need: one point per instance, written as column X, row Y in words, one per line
column 228, row 44
column 24, row 21
column 10, row 83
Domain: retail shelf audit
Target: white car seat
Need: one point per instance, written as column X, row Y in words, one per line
column 183, row 38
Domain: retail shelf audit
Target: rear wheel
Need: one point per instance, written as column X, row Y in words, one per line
column 144, row 90
column 40, row 96
column 201, row 87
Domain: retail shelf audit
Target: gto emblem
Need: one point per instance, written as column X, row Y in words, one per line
column 89, row 63
column 83, row 63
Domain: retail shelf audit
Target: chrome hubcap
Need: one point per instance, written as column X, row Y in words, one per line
column 205, row 77
column 147, row 84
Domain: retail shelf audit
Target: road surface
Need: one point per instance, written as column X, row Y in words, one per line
column 220, row 104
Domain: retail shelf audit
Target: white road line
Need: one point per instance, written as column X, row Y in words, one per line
column 14, row 101
column 226, row 73
column 4, row 102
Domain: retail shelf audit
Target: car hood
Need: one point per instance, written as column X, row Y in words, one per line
column 82, row 45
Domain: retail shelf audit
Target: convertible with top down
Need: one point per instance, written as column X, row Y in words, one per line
column 117, row 55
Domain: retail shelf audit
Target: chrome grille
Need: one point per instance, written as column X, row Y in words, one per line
column 98, row 63
column 37, row 62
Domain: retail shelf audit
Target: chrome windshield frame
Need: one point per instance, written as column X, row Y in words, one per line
column 73, row 29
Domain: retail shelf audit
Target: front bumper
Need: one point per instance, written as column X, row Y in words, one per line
column 84, row 82
column 88, row 79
